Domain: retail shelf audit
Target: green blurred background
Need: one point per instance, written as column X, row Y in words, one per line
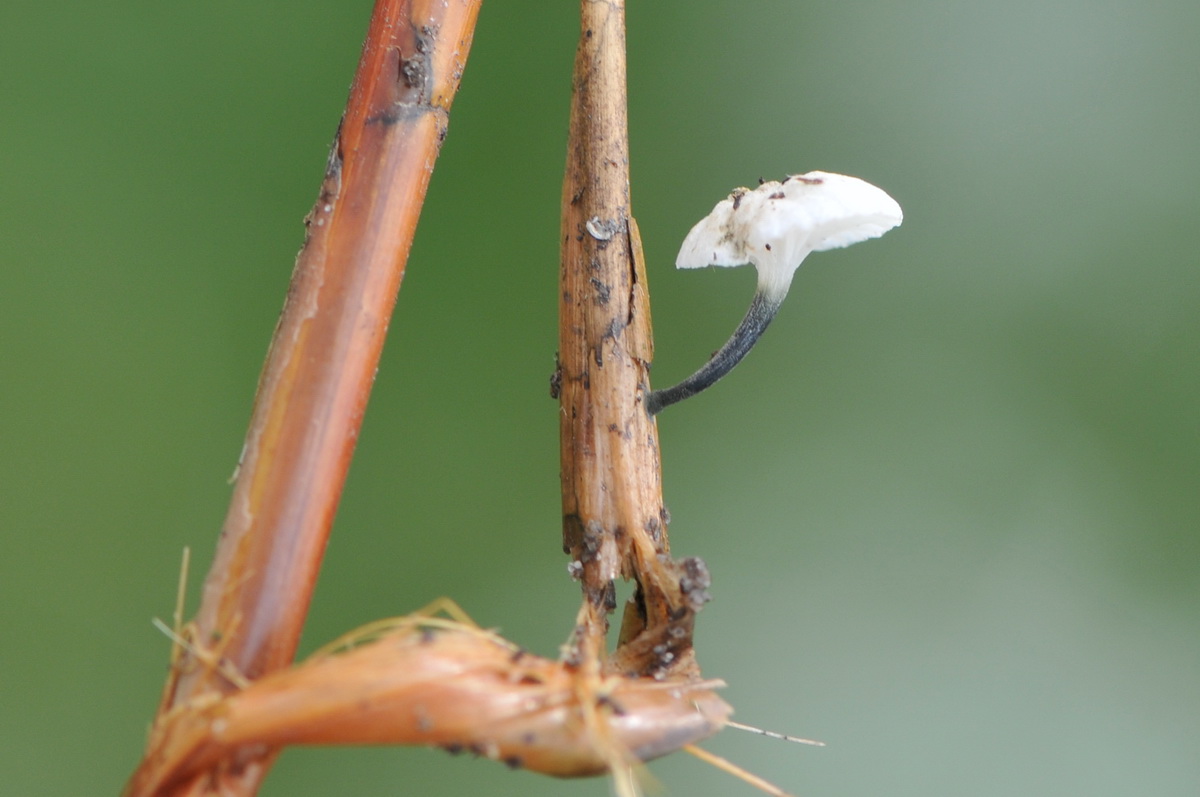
column 950, row 504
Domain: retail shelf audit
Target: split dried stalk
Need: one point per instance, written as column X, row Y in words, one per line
column 314, row 386
column 614, row 521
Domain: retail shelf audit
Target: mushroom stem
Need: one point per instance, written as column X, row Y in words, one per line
column 762, row 310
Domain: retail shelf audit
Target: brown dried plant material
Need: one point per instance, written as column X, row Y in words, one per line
column 232, row 703
column 614, row 520
column 323, row 356
column 423, row 680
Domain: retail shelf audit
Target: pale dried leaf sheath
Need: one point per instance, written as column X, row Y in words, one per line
column 458, row 688
column 614, row 522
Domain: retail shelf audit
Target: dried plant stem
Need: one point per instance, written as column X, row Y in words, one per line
column 314, row 386
column 614, row 522
column 429, row 680
column 609, row 486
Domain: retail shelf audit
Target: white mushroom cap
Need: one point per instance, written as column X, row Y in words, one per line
column 776, row 225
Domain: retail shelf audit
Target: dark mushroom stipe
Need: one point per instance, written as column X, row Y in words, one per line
column 758, row 317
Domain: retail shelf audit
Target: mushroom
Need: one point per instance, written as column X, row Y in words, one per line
column 774, row 227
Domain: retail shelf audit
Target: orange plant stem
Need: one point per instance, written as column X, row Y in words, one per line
column 321, row 364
